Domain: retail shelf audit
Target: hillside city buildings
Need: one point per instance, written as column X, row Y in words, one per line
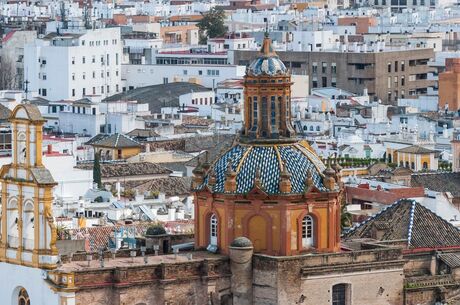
column 308, row 153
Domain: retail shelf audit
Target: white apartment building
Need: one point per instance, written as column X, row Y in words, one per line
column 70, row 66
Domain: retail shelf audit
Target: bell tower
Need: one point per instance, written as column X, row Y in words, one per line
column 267, row 91
column 28, row 233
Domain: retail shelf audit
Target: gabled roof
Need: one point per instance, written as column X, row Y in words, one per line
column 116, row 140
column 409, row 220
column 142, row 133
column 110, row 170
column 439, row 182
column 415, row 149
column 157, row 96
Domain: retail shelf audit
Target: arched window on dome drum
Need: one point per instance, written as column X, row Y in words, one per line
column 280, row 111
column 213, row 230
column 23, row 297
column 254, row 113
column 273, row 111
column 307, row 231
column 249, row 110
column 264, row 112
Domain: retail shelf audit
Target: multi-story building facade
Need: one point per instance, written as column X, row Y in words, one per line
column 386, row 74
column 74, row 65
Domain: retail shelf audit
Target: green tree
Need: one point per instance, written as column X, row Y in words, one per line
column 212, row 25
column 157, row 229
column 97, row 170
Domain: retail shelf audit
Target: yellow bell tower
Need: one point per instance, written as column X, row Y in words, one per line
column 28, row 234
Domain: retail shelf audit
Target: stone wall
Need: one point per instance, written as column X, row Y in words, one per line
column 374, row 277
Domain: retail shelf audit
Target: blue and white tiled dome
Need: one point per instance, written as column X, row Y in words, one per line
column 268, row 62
column 268, row 160
column 270, row 66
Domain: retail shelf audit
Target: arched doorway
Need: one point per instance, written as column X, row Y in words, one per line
column 257, row 228
column 23, row 297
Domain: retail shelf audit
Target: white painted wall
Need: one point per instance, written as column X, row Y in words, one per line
column 206, row 75
column 17, row 276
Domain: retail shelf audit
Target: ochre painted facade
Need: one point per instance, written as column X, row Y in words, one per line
column 28, row 232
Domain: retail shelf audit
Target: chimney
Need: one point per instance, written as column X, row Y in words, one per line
column 49, row 149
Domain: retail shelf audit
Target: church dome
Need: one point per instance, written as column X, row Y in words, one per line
column 268, row 62
column 266, row 165
column 269, row 66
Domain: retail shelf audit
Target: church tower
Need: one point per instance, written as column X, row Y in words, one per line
column 28, row 233
column 270, row 187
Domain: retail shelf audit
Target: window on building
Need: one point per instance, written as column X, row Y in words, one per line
column 333, row 68
column 384, row 2
column 324, row 67
column 116, row 58
column 84, row 75
column 108, row 59
column 324, row 81
column 83, row 91
column 73, row 76
column 403, row 81
column 185, row 72
column 93, row 59
column 117, row 88
column 403, row 94
column 425, row 165
column 44, row 93
column 396, row 66
column 94, row 90
column 44, row 76
column 412, row 165
column 389, row 67
column 407, row 164
column 73, row 92
column 307, row 227
column 83, row 60
column 422, row 2
column 389, row 82
column 340, row 293
column 314, row 68
column 395, row 79
column 403, row 67
column 213, row 230
column 102, row 89
column 254, row 113
column 389, row 96
column 108, row 89
column 73, row 60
